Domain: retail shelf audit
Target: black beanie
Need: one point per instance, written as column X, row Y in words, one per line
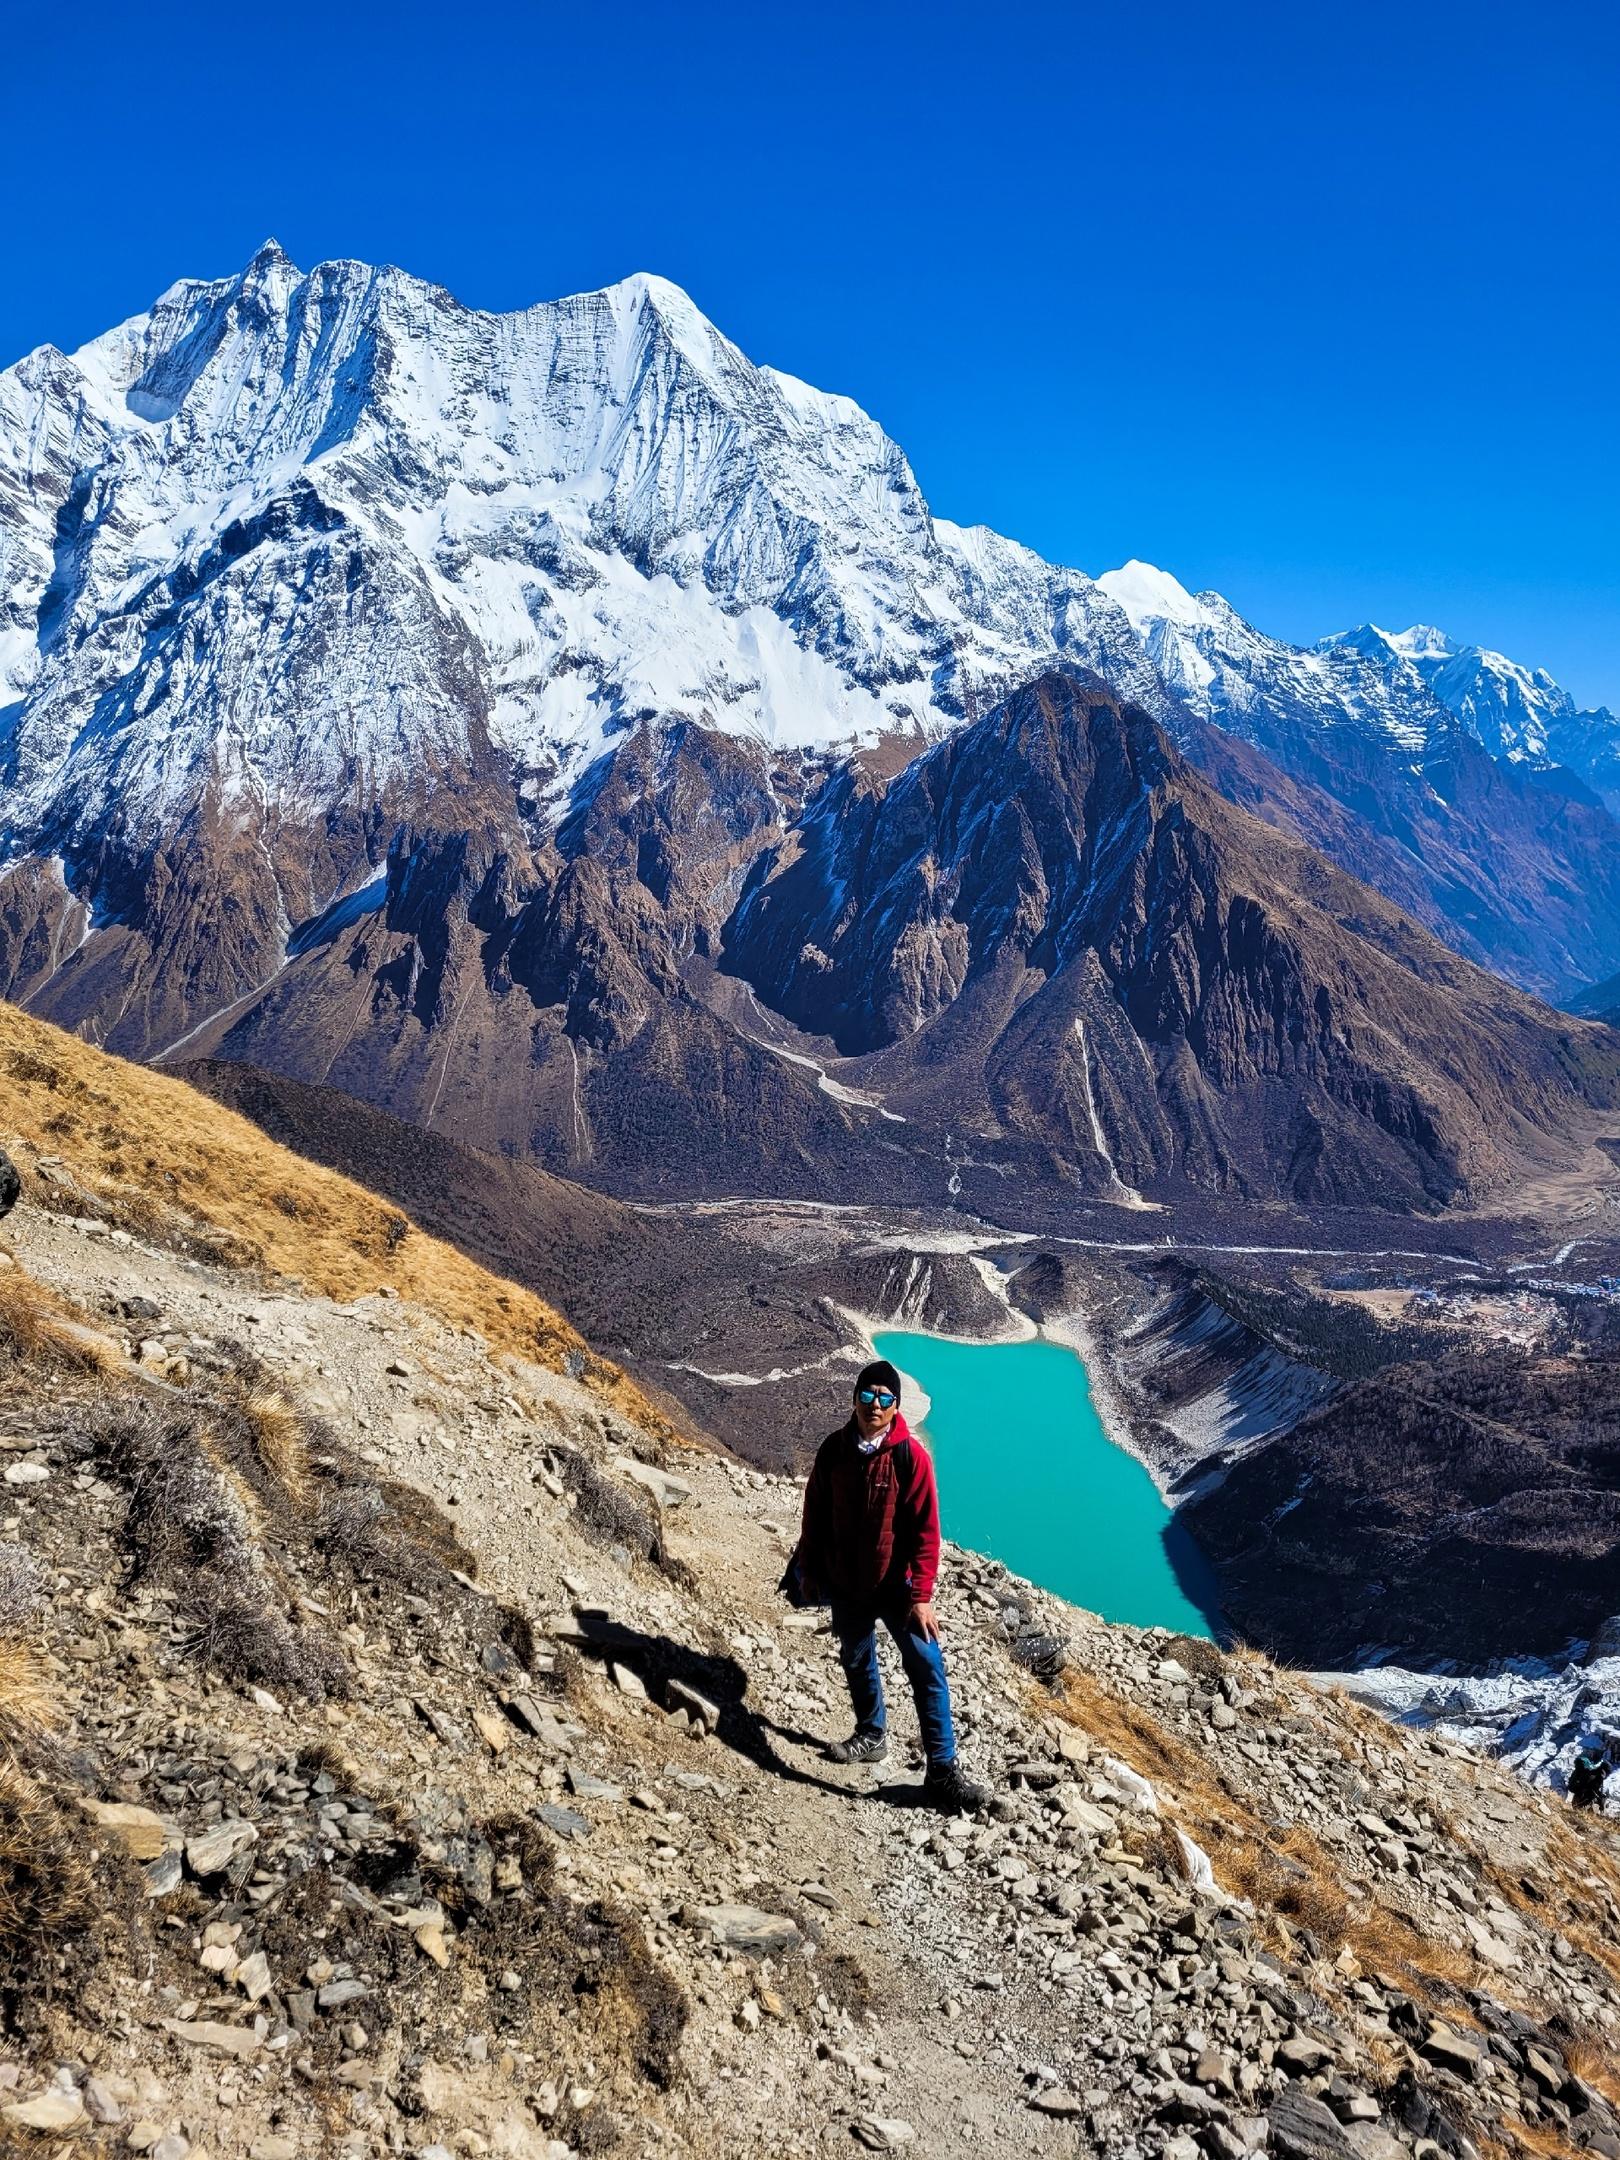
column 880, row 1373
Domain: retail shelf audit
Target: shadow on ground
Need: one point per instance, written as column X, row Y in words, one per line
column 656, row 1660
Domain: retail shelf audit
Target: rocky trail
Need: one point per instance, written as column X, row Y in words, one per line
column 404, row 1751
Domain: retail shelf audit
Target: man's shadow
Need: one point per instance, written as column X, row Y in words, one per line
column 657, row 1659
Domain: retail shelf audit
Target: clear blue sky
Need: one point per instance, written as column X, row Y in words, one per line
column 1318, row 306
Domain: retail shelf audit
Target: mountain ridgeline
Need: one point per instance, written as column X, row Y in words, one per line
column 556, row 726
column 1054, row 903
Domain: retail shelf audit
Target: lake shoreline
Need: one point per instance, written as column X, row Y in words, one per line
column 1032, row 1475
column 1071, row 1332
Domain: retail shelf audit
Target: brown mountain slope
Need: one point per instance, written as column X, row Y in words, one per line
column 1052, row 927
column 1513, row 866
column 530, row 993
column 1463, row 1508
column 1046, row 958
column 143, row 1152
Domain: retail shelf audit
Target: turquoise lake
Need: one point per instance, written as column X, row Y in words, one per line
column 1028, row 1475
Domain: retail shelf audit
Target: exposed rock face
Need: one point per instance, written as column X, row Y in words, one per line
column 1048, row 937
column 288, row 557
column 1512, row 865
column 1518, row 713
column 1150, row 983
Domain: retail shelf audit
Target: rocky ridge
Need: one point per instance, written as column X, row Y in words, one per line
column 1517, row 712
column 542, row 1858
column 1403, row 773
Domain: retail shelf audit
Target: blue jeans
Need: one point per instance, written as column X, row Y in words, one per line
column 856, row 1627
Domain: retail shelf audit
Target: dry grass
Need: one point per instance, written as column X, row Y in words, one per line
column 1593, row 2061
column 279, row 1440
column 39, row 1327
column 28, row 1703
column 47, row 1891
column 195, row 1520
column 162, row 1160
column 1538, row 2138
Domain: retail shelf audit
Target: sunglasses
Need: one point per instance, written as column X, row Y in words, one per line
column 878, row 1395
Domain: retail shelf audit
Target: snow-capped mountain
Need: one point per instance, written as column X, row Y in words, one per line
column 1514, row 711
column 1257, row 686
column 286, row 530
column 1401, row 777
column 411, row 697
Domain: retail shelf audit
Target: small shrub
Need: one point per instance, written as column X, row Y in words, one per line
column 34, row 1329
column 47, row 1892
column 194, row 1519
column 265, row 1440
column 606, row 1514
column 24, row 1586
column 27, row 1702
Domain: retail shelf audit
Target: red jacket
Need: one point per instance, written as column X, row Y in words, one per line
column 871, row 1522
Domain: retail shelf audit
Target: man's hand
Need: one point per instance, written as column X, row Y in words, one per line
column 923, row 1620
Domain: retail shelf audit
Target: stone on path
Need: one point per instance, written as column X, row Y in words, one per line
column 745, row 1927
column 585, row 1787
column 139, row 1830
column 1451, row 2050
column 496, row 1731
column 54, row 2110
column 680, row 1696
column 1056, row 2100
column 666, row 1488
column 212, row 1851
column 884, row 2133
column 565, row 1821
column 238, row 2040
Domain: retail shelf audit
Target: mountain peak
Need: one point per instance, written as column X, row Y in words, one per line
column 270, row 268
column 1422, row 641
column 688, row 329
column 1148, row 594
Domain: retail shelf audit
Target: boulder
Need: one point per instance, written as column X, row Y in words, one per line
column 238, row 2040
column 681, row 1696
column 139, row 1830
column 666, row 1488
column 213, row 1850
column 53, row 2110
column 1452, row 2050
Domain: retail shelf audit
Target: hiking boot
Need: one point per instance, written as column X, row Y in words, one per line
column 859, row 1747
column 949, row 1788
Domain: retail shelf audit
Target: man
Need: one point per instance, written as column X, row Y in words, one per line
column 870, row 1548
